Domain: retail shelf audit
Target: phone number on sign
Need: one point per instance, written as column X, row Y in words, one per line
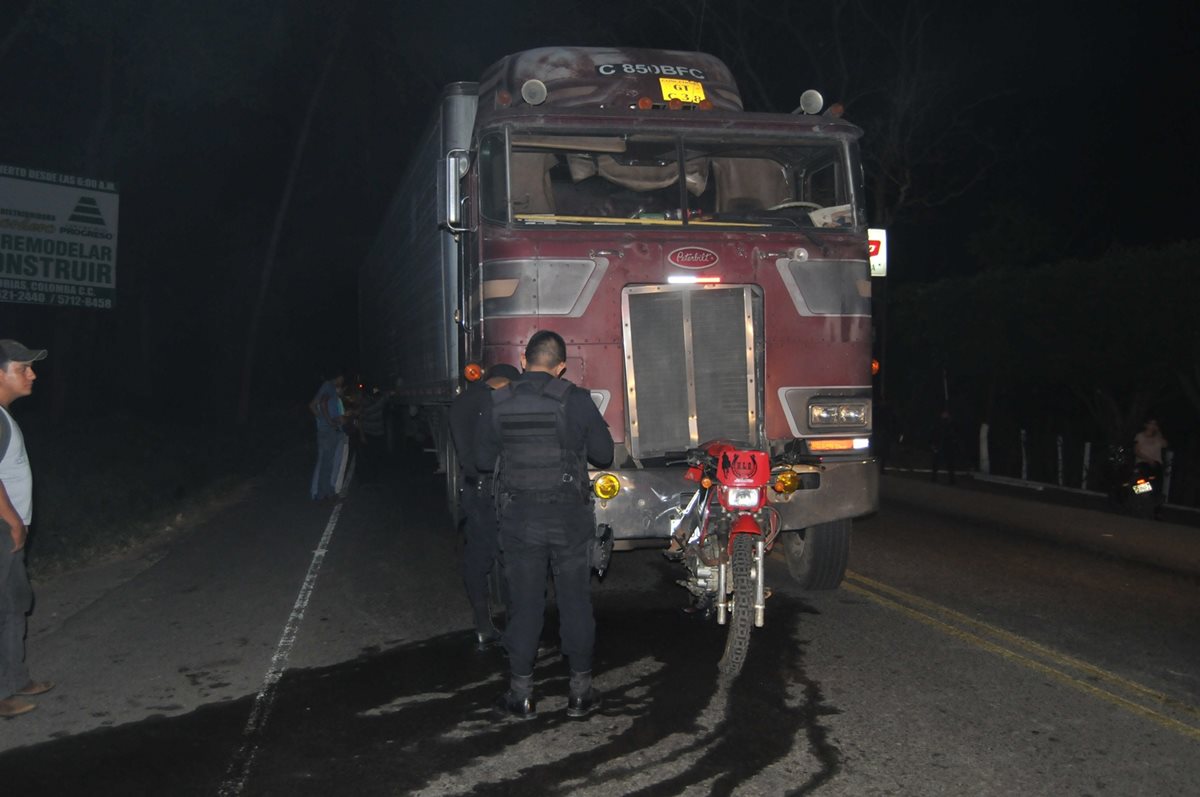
column 34, row 297
column 37, row 297
column 83, row 301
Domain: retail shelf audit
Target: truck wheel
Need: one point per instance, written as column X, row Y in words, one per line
column 817, row 556
column 737, row 641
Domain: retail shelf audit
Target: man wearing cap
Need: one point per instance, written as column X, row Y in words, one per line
column 16, row 512
column 476, row 500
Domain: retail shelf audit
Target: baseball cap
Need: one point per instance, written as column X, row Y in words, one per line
column 503, row 369
column 13, row 352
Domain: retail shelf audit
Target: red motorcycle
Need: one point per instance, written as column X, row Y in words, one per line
column 723, row 535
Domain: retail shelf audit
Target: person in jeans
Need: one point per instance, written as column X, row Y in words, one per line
column 16, row 513
column 327, row 408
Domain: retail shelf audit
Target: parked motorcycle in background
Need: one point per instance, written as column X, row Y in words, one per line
column 1134, row 487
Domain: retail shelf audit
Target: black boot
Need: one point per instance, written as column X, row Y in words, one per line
column 582, row 698
column 486, row 637
column 518, row 700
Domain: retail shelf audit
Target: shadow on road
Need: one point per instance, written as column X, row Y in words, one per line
column 417, row 718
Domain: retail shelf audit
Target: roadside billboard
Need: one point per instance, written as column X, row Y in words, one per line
column 58, row 239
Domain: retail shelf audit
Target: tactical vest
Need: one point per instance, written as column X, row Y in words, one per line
column 531, row 420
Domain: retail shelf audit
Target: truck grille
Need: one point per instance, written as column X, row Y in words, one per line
column 693, row 365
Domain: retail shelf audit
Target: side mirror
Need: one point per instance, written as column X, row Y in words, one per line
column 450, row 201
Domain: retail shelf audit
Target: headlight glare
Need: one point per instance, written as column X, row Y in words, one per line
column 743, row 497
column 844, row 413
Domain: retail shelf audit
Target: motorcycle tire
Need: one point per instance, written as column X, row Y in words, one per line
column 741, row 618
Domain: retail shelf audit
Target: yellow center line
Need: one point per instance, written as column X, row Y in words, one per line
column 984, row 644
column 1028, row 644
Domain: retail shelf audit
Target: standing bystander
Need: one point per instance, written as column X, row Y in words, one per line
column 326, row 407
column 372, row 430
column 16, row 513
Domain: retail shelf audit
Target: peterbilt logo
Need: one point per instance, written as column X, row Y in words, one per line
column 693, row 257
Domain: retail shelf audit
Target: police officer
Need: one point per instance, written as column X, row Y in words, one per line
column 477, row 501
column 538, row 435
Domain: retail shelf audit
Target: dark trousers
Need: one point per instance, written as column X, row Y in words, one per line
column 481, row 546
column 534, row 536
column 16, row 599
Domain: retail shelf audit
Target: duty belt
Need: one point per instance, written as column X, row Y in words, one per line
column 548, row 497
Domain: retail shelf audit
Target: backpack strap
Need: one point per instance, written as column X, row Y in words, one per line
column 5, row 433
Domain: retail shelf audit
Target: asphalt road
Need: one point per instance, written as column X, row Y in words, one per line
column 288, row 648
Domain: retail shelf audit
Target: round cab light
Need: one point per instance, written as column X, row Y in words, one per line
column 473, row 372
column 705, row 105
column 606, row 486
column 534, row 91
column 645, row 103
column 675, row 104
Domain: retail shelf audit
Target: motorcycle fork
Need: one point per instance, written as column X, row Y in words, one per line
column 760, row 582
column 759, row 575
column 722, row 596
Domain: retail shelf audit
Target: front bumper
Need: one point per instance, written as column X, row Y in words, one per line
column 651, row 497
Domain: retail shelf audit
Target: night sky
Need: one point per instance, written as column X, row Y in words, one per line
column 1060, row 128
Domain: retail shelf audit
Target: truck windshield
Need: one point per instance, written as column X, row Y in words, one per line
column 647, row 180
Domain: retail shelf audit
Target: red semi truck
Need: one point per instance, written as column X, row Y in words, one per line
column 707, row 267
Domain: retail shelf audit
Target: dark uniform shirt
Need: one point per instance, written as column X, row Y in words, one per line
column 586, row 429
column 465, row 412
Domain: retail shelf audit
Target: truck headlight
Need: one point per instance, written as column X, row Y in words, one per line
column 840, row 413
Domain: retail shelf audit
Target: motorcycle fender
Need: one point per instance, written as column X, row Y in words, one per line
column 745, row 524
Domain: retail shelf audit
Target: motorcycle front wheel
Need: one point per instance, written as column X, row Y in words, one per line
column 741, row 618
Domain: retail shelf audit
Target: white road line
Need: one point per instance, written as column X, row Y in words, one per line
column 239, row 768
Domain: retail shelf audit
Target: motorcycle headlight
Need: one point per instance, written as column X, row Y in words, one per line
column 839, row 413
column 743, row 497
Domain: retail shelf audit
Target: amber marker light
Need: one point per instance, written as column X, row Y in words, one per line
column 473, row 372
column 645, row 103
column 831, row 445
column 787, row 482
column 706, row 482
column 606, row 486
column 874, row 367
column 675, row 104
column 705, row 105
